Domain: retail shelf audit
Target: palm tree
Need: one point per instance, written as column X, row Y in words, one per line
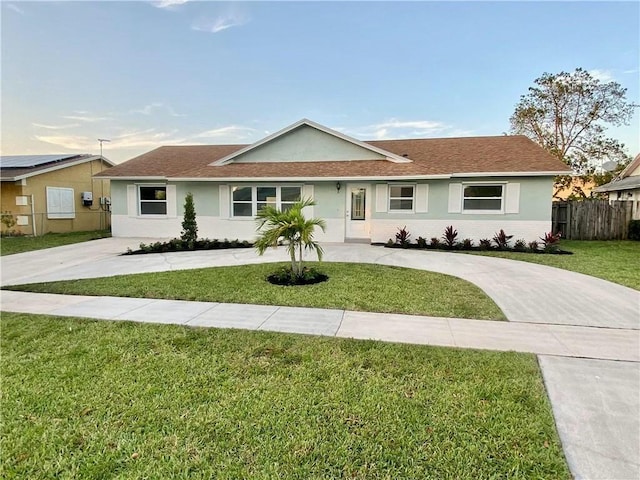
column 293, row 228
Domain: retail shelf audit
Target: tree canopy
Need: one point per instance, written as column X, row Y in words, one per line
column 291, row 227
column 568, row 114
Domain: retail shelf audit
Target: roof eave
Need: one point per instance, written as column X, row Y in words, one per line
column 337, row 177
column 547, row 173
column 53, row 168
column 133, row 177
column 613, row 188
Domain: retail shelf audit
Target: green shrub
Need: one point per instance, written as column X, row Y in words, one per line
column 485, row 244
column 466, row 244
column 189, row 233
column 520, row 246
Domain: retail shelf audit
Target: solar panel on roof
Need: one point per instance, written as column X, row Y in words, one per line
column 25, row 161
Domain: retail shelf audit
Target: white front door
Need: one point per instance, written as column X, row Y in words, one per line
column 358, row 211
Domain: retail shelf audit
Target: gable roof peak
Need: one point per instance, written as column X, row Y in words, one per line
column 392, row 157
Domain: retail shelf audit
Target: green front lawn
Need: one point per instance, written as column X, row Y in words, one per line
column 351, row 286
column 11, row 245
column 98, row 399
column 615, row 260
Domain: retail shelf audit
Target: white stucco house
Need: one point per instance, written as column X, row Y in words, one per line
column 364, row 190
column 626, row 186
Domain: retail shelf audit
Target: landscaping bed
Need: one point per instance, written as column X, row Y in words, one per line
column 548, row 244
column 94, row 399
column 180, row 245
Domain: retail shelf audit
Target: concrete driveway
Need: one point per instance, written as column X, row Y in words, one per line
column 525, row 292
column 596, row 403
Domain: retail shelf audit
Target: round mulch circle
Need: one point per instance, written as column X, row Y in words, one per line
column 284, row 278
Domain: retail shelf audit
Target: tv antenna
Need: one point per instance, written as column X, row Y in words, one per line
column 102, row 140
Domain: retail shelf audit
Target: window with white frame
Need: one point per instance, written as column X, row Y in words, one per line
column 60, row 203
column 248, row 200
column 153, row 199
column 482, row 198
column 401, row 198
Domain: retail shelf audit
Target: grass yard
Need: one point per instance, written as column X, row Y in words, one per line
column 98, row 399
column 615, row 260
column 351, row 286
column 11, row 245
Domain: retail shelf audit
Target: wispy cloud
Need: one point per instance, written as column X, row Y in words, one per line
column 633, row 70
column 394, row 128
column 168, row 4
column 152, row 107
column 135, row 139
column 231, row 132
column 602, row 75
column 84, row 118
column 56, row 127
column 71, row 142
column 15, row 8
column 220, row 23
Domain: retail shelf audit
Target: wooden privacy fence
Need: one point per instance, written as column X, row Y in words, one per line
column 592, row 219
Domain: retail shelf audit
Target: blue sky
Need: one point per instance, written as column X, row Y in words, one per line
column 146, row 74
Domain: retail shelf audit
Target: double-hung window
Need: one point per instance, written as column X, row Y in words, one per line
column 401, row 198
column 153, row 200
column 242, row 201
column 247, row 201
column 483, row 198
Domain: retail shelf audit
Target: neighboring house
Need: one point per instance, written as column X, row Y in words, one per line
column 44, row 193
column 363, row 190
column 577, row 189
column 626, row 186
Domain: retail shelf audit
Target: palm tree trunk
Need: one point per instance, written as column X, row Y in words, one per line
column 292, row 253
column 300, row 264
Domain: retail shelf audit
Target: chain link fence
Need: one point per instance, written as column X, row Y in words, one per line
column 41, row 223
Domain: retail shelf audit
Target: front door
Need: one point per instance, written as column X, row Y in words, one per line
column 358, row 211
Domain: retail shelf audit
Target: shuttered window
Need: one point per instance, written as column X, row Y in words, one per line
column 482, row 198
column 247, row 201
column 401, row 198
column 153, row 200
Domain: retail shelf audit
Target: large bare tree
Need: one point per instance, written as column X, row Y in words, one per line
column 567, row 114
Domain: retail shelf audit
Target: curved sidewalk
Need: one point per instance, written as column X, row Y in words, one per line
column 558, row 340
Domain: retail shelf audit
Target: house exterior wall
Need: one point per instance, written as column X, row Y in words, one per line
column 629, row 196
column 9, row 192
column 77, row 177
column 531, row 220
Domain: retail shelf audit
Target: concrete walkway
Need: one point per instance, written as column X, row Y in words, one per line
column 585, row 330
column 558, row 340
